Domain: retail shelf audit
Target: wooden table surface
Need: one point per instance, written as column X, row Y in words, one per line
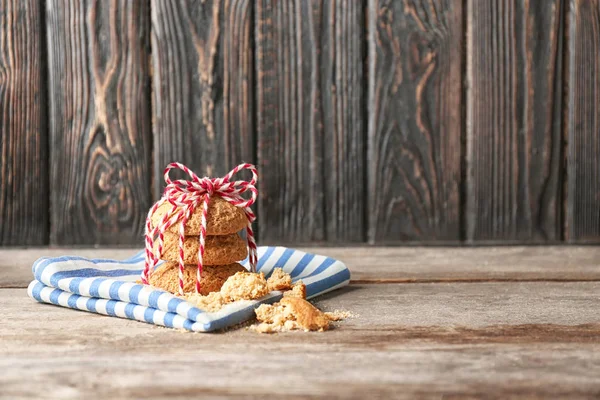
column 433, row 322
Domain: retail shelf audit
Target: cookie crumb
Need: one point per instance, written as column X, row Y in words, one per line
column 291, row 313
column 240, row 286
column 338, row 315
column 212, row 302
column 272, row 328
column 298, row 290
column 244, row 286
column 279, row 280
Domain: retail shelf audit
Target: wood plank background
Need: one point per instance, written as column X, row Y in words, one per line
column 99, row 120
column 582, row 222
column 24, row 212
column 310, row 95
column 415, row 120
column 374, row 121
column 514, row 97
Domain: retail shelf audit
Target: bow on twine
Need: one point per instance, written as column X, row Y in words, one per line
column 184, row 196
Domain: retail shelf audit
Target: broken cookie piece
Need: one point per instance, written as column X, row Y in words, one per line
column 289, row 314
column 298, row 290
column 244, row 286
column 210, row 303
column 240, row 286
column 279, row 280
column 282, row 281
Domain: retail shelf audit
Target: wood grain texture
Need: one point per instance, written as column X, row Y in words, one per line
column 529, row 340
column 202, row 85
column 310, row 120
column 415, row 120
column 99, row 120
column 514, row 92
column 389, row 264
column 23, row 134
column 382, row 307
column 582, row 223
column 474, row 264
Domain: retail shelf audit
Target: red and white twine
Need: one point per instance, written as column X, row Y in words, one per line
column 184, row 196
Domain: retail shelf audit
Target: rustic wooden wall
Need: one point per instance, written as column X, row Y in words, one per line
column 23, row 133
column 415, row 120
column 376, row 121
column 582, row 222
column 99, row 120
column 203, row 113
column 514, row 135
column 310, row 123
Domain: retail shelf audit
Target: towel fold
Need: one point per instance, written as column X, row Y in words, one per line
column 108, row 287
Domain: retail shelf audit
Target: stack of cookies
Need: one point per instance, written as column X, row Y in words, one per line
column 222, row 251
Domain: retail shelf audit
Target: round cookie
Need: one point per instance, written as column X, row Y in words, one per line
column 222, row 219
column 166, row 277
column 218, row 250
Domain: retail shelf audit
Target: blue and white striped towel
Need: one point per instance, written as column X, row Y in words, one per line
column 108, row 287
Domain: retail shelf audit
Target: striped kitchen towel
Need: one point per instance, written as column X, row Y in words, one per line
column 108, row 287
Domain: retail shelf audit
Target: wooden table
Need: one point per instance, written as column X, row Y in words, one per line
column 433, row 322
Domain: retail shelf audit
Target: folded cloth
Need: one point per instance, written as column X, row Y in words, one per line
column 108, row 287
